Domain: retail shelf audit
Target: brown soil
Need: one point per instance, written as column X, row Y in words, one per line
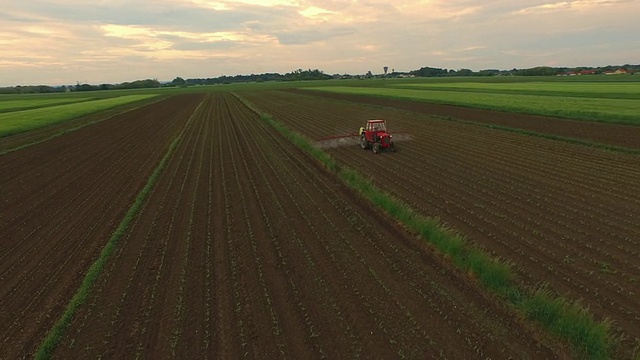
column 38, row 135
column 609, row 134
column 247, row 248
column 563, row 213
column 61, row 201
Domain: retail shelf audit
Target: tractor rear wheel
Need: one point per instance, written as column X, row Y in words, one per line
column 363, row 142
column 376, row 148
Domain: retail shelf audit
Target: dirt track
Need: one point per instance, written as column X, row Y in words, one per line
column 563, row 213
column 61, row 200
column 247, row 248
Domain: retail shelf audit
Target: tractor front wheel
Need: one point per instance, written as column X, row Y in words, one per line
column 376, row 148
column 363, row 142
column 392, row 147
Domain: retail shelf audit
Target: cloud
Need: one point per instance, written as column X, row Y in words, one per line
column 472, row 48
column 303, row 37
column 122, row 40
column 166, row 45
column 569, row 5
column 316, row 12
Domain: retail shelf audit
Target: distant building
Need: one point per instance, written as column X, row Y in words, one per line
column 617, row 72
column 576, row 73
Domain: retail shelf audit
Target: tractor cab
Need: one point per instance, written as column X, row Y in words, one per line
column 373, row 128
column 376, row 125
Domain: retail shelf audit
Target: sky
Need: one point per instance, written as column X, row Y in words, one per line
column 57, row 42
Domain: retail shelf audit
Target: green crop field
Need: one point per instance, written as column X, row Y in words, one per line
column 26, row 103
column 615, row 90
column 561, row 102
column 20, row 121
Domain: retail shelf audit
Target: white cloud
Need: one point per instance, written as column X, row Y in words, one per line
column 576, row 5
column 316, row 12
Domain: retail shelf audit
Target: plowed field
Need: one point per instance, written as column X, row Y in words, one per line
column 564, row 214
column 60, row 201
column 246, row 247
column 610, row 134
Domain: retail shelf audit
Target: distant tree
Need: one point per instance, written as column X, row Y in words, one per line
column 179, row 81
column 429, row 72
column 306, row 75
column 488, row 72
column 538, row 71
column 465, row 72
column 385, row 69
column 86, row 87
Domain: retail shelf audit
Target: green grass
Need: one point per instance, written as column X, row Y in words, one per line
column 567, row 320
column 609, row 90
column 594, row 109
column 24, row 103
column 21, row 121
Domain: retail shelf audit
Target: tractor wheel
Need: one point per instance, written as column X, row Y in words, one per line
column 392, row 147
column 376, row 148
column 363, row 142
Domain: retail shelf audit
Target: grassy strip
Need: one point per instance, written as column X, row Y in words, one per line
column 55, row 334
column 609, row 90
column 5, row 152
column 21, row 121
column 624, row 111
column 124, row 109
column 563, row 139
column 568, row 320
column 33, row 103
column 560, row 138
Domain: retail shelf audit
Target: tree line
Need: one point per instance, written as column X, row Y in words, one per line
column 138, row 84
column 301, row 75
column 296, row 75
column 535, row 71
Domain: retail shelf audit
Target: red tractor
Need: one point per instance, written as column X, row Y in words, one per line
column 374, row 135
